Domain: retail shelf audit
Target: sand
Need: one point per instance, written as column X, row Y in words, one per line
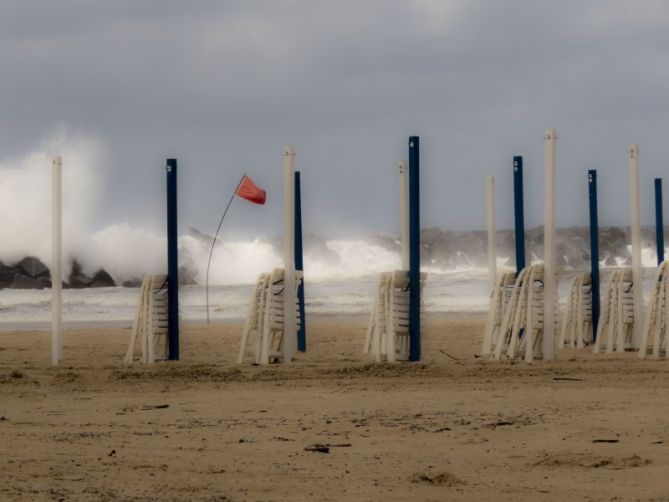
column 454, row 427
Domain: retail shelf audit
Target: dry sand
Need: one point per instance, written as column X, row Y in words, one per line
column 454, row 427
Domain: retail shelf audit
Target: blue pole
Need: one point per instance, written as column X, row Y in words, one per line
column 414, row 248
column 659, row 221
column 594, row 249
column 519, row 212
column 299, row 265
column 172, row 262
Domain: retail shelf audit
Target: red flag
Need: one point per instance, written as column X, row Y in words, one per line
column 249, row 191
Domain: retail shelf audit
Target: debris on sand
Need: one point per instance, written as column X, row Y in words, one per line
column 442, row 479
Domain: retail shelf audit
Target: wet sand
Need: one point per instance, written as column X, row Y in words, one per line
column 455, row 427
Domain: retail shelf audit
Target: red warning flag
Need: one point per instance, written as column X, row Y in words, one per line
column 249, row 191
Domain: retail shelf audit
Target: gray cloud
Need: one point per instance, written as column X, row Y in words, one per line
column 223, row 85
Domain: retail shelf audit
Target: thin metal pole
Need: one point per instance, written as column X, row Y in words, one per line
column 213, row 243
column 299, row 265
column 289, row 321
column 57, row 258
column 414, row 249
column 548, row 345
column 404, row 213
column 519, row 212
column 594, row 249
column 172, row 262
column 637, row 271
column 492, row 255
column 659, row 221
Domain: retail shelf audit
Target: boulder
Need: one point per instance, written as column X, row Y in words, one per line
column 7, row 275
column 77, row 279
column 135, row 282
column 102, row 279
column 33, row 267
column 26, row 282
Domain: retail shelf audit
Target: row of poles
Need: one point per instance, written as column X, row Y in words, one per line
column 549, row 236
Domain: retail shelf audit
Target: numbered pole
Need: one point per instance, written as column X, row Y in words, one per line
column 299, row 265
column 172, row 262
column 414, row 249
column 594, row 249
column 519, row 212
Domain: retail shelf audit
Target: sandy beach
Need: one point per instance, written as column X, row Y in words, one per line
column 331, row 425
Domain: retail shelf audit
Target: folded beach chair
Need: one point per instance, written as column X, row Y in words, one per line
column 150, row 324
column 654, row 337
column 388, row 330
column 499, row 302
column 616, row 325
column 577, row 324
column 266, row 317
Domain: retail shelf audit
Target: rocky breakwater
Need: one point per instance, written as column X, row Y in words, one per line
column 31, row 273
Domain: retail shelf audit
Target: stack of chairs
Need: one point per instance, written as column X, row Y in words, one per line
column 498, row 305
column 521, row 331
column 150, row 324
column 615, row 331
column 577, row 325
column 388, row 329
column 654, row 340
column 265, row 318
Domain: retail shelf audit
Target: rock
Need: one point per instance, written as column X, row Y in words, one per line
column 77, row 279
column 135, row 282
column 7, row 275
column 33, row 267
column 26, row 282
column 102, row 279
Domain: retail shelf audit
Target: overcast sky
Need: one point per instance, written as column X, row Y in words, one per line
column 223, row 85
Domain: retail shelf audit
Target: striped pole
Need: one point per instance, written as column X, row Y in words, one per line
column 519, row 212
column 172, row 262
column 414, row 248
column 299, row 265
column 594, row 249
column 659, row 221
column 56, row 259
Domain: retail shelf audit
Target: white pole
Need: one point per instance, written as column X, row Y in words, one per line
column 637, row 271
column 289, row 320
column 492, row 255
column 404, row 213
column 56, row 259
column 548, row 344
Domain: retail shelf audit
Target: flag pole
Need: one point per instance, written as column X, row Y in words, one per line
column 213, row 242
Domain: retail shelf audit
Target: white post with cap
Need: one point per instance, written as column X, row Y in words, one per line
column 56, row 262
column 289, row 320
column 548, row 343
